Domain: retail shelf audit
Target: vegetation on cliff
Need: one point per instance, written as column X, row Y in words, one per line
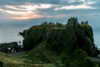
column 69, row 44
column 52, row 45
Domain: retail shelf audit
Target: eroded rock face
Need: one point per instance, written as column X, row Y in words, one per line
column 67, row 37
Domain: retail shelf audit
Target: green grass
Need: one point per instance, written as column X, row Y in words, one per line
column 48, row 65
column 19, row 61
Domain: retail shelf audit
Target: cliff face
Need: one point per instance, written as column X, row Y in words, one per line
column 70, row 44
column 59, row 38
column 57, row 45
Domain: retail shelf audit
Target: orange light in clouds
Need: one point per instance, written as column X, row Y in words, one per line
column 26, row 17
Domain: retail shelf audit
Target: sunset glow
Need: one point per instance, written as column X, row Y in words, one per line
column 25, row 11
column 26, row 17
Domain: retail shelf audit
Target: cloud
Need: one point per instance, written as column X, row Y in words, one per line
column 91, row 2
column 26, row 11
column 34, row 9
column 84, row 5
column 17, row 2
column 71, row 1
column 28, row 7
column 73, row 7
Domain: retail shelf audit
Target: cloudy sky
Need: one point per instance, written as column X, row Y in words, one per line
column 16, row 15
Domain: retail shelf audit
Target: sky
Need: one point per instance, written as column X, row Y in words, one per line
column 17, row 15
